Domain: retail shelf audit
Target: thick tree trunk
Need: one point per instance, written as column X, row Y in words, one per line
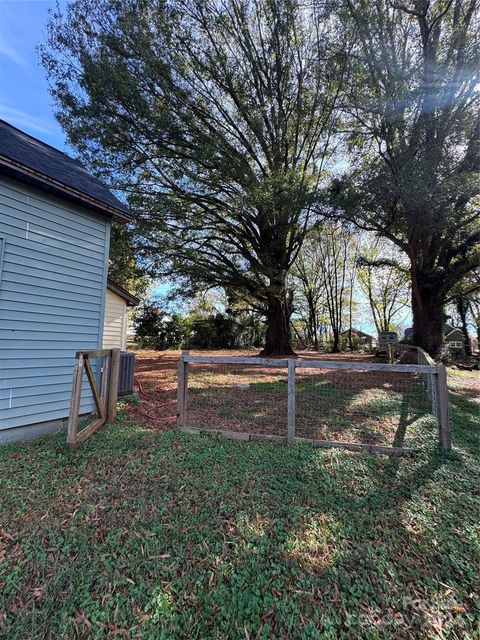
column 428, row 314
column 350, row 317
column 277, row 337
column 428, row 329
column 312, row 321
column 336, row 341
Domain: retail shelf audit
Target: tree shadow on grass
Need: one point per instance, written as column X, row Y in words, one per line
column 176, row 536
column 367, row 552
column 465, row 422
column 325, row 544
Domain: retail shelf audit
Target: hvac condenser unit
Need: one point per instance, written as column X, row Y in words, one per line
column 126, row 373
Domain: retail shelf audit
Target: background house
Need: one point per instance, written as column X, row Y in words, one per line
column 117, row 304
column 359, row 338
column 54, row 241
column 453, row 337
column 454, row 340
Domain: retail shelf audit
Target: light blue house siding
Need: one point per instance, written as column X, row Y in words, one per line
column 53, row 275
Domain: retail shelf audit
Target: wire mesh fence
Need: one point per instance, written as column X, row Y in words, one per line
column 370, row 407
column 237, row 397
column 369, row 404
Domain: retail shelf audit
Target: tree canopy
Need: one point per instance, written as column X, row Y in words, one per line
column 411, row 123
column 216, row 120
column 123, row 266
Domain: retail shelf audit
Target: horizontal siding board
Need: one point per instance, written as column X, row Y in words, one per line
column 34, row 235
column 10, row 188
column 34, row 293
column 43, row 358
column 58, row 225
column 25, row 264
column 30, row 196
column 114, row 311
column 63, row 343
column 51, row 301
column 41, row 309
column 114, row 324
column 49, row 396
column 32, row 321
column 61, row 229
column 45, row 368
column 32, row 415
column 45, row 332
column 22, row 224
column 113, row 328
column 39, row 390
column 58, row 249
column 12, row 421
column 14, row 283
column 74, row 280
column 19, row 377
column 59, row 260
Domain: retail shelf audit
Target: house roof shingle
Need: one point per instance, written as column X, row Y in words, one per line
column 130, row 299
column 34, row 162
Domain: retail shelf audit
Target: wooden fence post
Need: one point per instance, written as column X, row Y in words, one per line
column 181, row 392
column 291, row 401
column 75, row 401
column 114, row 370
column 105, row 382
column 443, row 413
column 433, row 392
column 185, row 385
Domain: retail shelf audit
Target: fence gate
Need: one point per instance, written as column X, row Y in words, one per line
column 102, row 384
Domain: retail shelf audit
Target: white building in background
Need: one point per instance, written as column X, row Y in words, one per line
column 118, row 301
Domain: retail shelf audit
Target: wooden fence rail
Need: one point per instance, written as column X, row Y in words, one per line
column 437, row 389
column 435, row 377
column 105, row 397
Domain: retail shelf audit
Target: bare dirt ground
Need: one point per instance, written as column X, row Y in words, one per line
column 336, row 405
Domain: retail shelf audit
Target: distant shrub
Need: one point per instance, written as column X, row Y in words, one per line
column 155, row 329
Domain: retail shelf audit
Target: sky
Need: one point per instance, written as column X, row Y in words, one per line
column 24, row 98
column 25, row 101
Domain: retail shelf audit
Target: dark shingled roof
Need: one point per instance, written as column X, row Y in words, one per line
column 35, row 162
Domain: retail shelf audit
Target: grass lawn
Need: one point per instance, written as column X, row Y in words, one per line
column 141, row 533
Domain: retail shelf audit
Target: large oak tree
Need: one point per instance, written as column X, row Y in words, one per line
column 412, row 126
column 123, row 267
column 215, row 119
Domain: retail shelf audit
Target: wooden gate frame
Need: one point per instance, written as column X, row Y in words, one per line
column 105, row 398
